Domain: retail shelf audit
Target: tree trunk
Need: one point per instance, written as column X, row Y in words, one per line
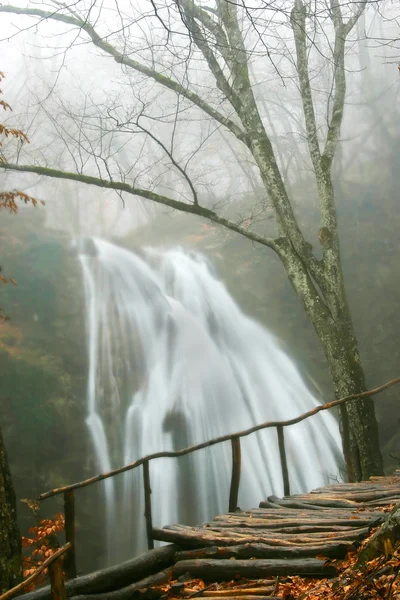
column 330, row 315
column 358, row 423
column 10, row 541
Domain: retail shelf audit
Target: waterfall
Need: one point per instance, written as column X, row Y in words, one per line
column 173, row 362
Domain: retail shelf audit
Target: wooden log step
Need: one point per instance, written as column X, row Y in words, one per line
column 353, row 520
column 264, row 533
column 309, row 528
column 289, row 513
column 257, row 532
column 283, row 513
column 196, row 539
column 383, row 502
column 312, row 517
column 371, row 496
column 334, row 524
column 323, row 513
column 344, row 488
column 243, row 551
column 225, row 570
column 356, row 496
column 297, row 504
column 321, row 502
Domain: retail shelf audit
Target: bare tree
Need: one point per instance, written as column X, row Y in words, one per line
column 203, row 57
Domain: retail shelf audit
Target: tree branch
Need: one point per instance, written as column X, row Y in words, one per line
column 129, row 62
column 338, row 102
column 156, row 140
column 341, row 32
column 210, row 24
column 194, row 209
column 212, row 62
column 353, row 20
column 298, row 23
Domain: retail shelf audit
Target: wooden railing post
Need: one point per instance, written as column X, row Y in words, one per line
column 284, row 467
column 69, row 512
column 147, row 504
column 57, row 583
column 235, row 480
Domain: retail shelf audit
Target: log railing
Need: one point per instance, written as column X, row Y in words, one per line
column 68, row 490
column 54, row 566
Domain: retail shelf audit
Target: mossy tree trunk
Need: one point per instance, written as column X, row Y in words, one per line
column 330, row 315
column 359, row 429
column 10, row 541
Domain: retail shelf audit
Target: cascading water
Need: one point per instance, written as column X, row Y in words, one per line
column 174, row 362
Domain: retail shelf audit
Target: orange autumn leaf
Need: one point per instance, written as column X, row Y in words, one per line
column 40, row 545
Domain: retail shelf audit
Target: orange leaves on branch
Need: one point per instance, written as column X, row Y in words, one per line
column 40, row 544
column 4, row 104
column 6, row 131
column 8, row 200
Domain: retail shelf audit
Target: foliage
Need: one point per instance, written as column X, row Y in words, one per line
column 40, row 545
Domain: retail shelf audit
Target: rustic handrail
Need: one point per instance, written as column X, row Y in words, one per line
column 34, row 575
column 218, row 440
column 234, row 438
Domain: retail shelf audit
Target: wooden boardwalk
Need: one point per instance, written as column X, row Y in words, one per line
column 265, row 546
column 284, row 536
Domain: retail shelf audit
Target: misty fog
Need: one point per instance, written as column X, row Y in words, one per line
column 162, row 237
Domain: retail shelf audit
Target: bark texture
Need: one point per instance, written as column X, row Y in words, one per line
column 10, row 541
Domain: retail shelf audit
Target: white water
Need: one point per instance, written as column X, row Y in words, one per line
column 173, row 362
